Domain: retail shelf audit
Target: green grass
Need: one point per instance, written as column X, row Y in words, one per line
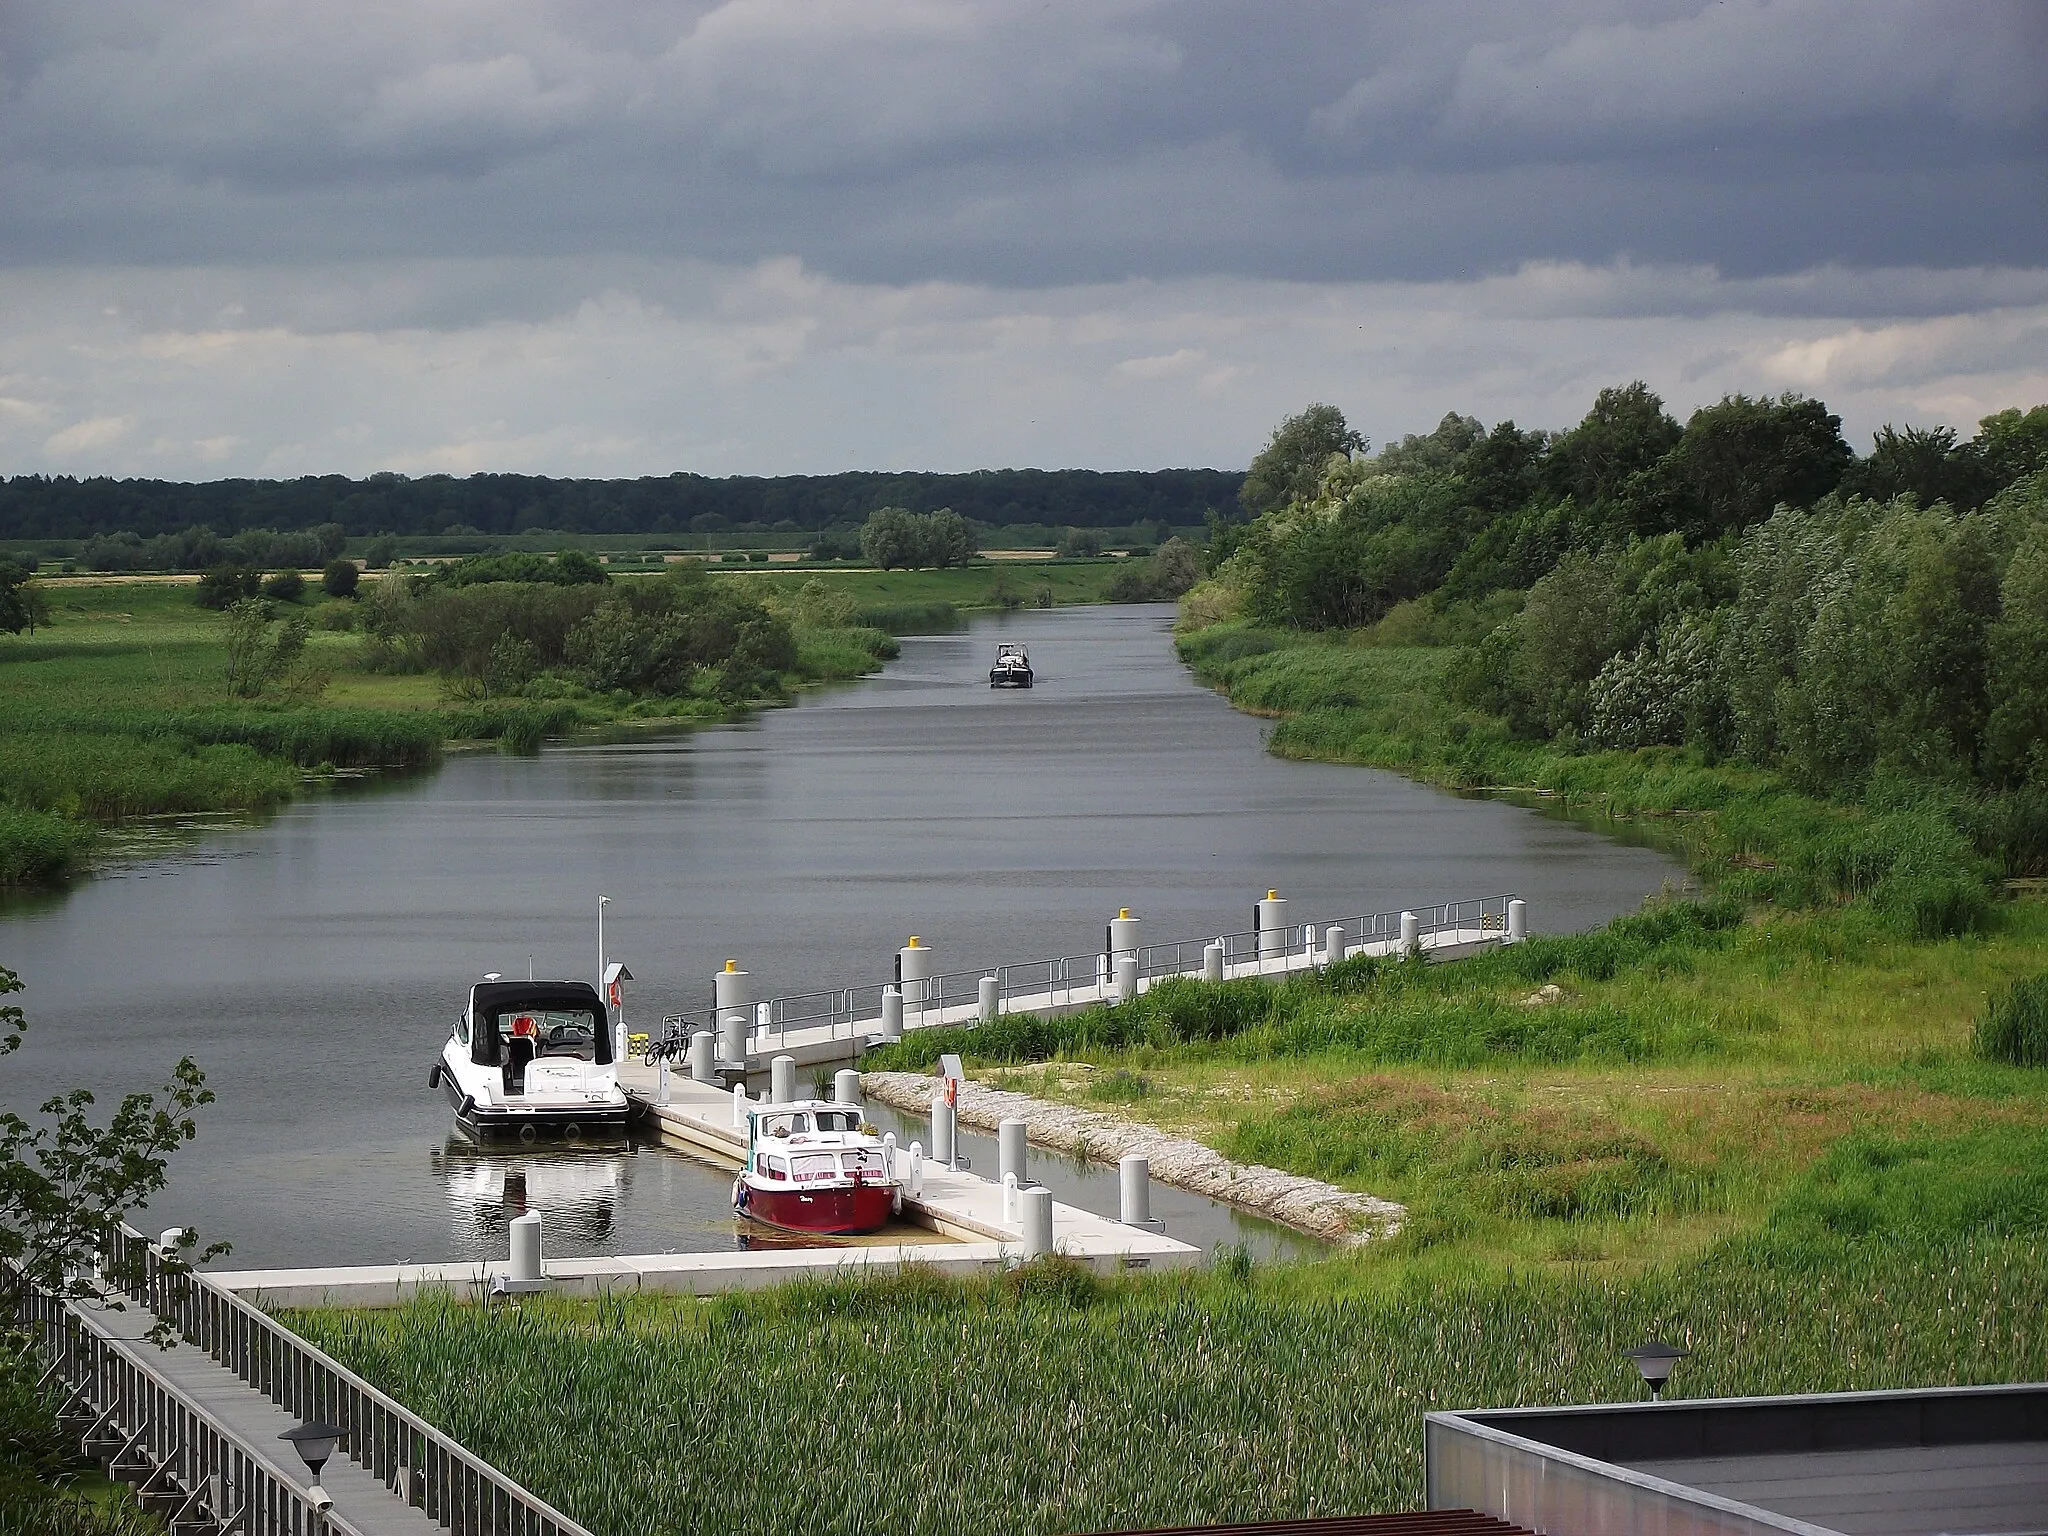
column 918, row 1405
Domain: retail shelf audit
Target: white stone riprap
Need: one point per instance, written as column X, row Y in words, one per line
column 1309, row 1205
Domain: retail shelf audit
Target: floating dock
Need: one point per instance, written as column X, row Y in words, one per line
column 956, row 1204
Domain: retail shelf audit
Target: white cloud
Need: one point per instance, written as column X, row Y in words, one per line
column 87, row 437
column 774, row 368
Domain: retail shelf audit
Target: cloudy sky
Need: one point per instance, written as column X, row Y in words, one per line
column 614, row 237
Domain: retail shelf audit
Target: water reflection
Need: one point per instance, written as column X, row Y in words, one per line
column 577, row 1191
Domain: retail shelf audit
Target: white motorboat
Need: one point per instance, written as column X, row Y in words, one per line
column 529, row 1059
column 1012, row 668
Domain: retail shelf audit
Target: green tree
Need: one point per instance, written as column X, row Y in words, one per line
column 2011, row 445
column 225, row 585
column 67, row 1182
column 341, row 578
column 258, row 661
column 1564, row 637
column 1290, row 466
column 285, row 586
column 892, row 538
column 949, row 539
column 1921, row 462
column 1736, row 463
column 22, row 605
column 1625, row 434
column 1439, row 451
column 2016, row 735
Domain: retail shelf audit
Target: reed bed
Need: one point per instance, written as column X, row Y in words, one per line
column 1049, row 1401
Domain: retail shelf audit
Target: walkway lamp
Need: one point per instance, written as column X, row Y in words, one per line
column 315, row 1443
column 1654, row 1361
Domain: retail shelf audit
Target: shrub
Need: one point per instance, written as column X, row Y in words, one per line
column 285, row 586
column 341, row 578
column 2014, row 1028
column 226, row 585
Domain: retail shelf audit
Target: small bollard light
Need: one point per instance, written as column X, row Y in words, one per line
column 1654, row 1361
column 315, row 1442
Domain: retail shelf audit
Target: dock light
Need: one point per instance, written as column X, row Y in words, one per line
column 1654, row 1361
column 315, row 1443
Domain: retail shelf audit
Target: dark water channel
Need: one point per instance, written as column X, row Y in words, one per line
column 311, row 963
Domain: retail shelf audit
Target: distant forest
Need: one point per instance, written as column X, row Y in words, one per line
column 60, row 507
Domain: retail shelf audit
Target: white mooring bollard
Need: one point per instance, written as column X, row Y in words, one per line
column 1411, row 935
column 782, row 1080
column 888, row 1154
column 661, row 1082
column 1272, row 925
column 739, row 1106
column 1134, row 1192
column 1334, row 945
column 1009, row 1199
column 846, row 1087
column 1036, row 1227
column 943, row 1127
column 525, row 1268
column 1123, row 933
column 915, row 1181
column 991, row 999
column 1012, row 1143
column 914, row 974
column 1212, row 961
column 703, row 1057
column 732, row 1001
column 1126, row 978
column 892, row 1013
column 1518, row 921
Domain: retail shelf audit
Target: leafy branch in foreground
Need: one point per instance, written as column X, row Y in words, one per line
column 67, row 1183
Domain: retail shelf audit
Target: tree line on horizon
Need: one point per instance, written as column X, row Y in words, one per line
column 63, row 507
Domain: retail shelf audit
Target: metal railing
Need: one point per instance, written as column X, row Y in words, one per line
column 953, row 997
column 409, row 1456
column 186, row 1465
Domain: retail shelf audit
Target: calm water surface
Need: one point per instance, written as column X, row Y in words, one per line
column 312, row 964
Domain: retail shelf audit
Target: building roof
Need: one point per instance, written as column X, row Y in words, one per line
column 1914, row 1463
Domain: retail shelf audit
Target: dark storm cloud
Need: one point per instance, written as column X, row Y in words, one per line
column 891, row 141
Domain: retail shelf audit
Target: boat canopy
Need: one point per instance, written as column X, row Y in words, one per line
column 494, row 1004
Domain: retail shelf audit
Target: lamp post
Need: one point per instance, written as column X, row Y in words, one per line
column 315, row 1443
column 1654, row 1361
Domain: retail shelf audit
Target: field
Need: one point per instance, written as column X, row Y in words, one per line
column 1755, row 1123
column 116, row 712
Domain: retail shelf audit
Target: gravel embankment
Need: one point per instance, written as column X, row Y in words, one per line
column 1310, row 1205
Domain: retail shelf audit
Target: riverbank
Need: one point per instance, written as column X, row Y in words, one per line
column 117, row 711
column 1340, row 1216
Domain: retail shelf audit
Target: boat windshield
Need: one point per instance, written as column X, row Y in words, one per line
column 838, row 1119
column 862, row 1160
column 548, row 1032
column 813, row 1165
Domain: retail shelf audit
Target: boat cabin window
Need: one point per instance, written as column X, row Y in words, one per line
column 838, row 1119
column 785, row 1125
column 814, row 1165
column 462, row 1027
column 777, row 1168
column 547, row 1032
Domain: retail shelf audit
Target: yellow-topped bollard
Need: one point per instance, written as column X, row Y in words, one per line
column 1123, row 935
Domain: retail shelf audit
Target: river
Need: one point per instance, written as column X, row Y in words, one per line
column 311, row 963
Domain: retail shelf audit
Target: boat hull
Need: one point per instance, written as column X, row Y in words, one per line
column 842, row 1211
column 572, row 1122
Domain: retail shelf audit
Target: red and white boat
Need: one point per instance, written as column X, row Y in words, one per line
column 814, row 1166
